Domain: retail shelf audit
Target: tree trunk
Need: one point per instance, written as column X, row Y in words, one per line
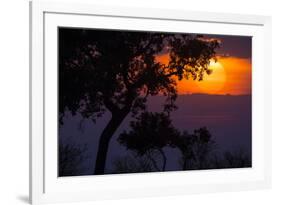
column 104, row 140
column 154, row 163
column 184, row 167
column 164, row 159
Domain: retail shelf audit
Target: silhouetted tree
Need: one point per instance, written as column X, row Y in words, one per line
column 236, row 159
column 149, row 134
column 195, row 148
column 117, row 71
column 231, row 159
column 70, row 159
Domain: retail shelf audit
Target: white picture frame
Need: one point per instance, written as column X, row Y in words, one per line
column 46, row 187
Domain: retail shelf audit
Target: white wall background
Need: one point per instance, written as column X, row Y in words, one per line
column 14, row 100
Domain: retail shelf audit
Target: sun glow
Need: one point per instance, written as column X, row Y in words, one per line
column 230, row 75
column 214, row 82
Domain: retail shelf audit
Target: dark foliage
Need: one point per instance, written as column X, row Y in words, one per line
column 195, row 148
column 70, row 159
column 150, row 133
column 234, row 159
column 110, row 69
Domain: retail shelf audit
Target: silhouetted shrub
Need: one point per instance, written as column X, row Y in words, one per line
column 70, row 159
column 149, row 134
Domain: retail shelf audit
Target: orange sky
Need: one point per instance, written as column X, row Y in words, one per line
column 231, row 75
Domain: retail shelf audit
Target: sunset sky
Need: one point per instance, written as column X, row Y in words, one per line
column 231, row 73
column 223, row 107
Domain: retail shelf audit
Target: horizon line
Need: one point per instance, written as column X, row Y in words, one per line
column 225, row 94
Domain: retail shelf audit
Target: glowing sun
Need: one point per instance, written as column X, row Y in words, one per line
column 214, row 82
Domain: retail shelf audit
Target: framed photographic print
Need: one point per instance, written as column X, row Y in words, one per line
column 129, row 102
